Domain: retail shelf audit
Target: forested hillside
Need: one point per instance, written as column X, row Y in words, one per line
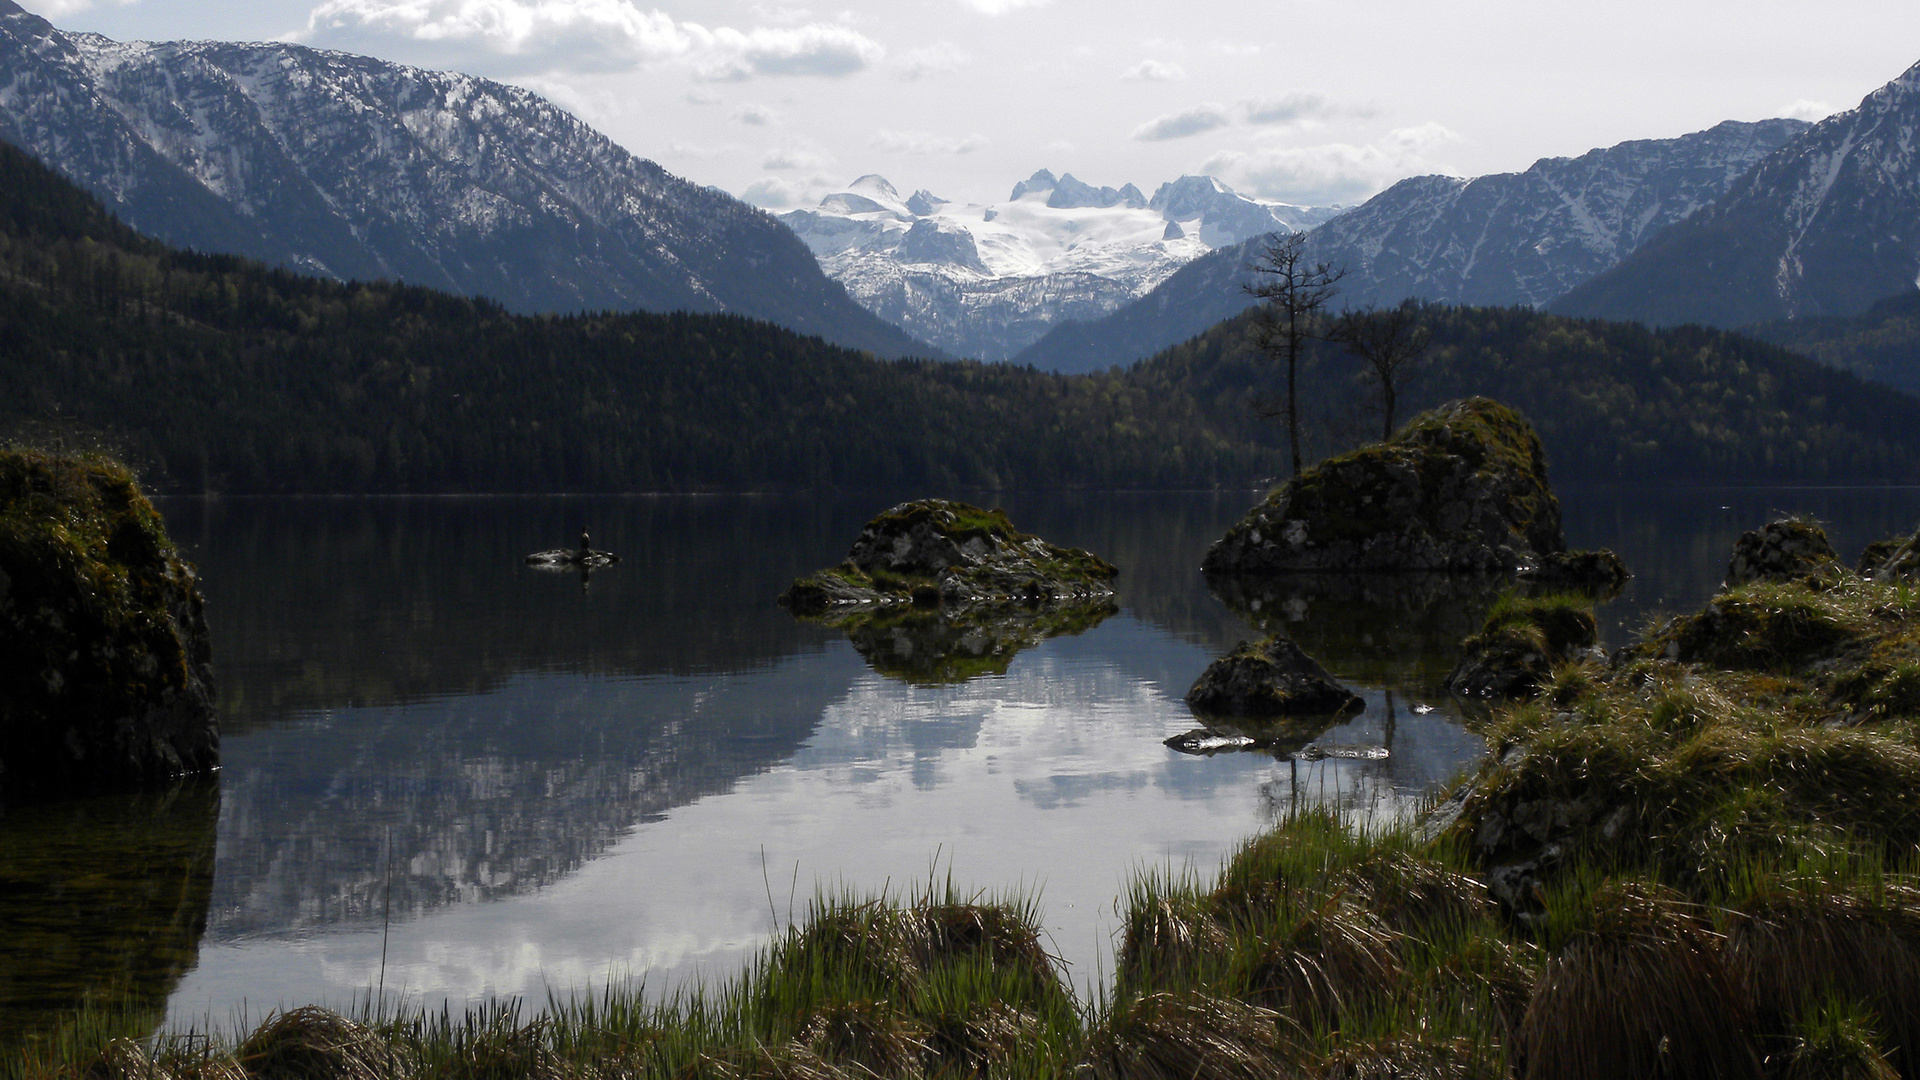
column 1881, row 344
column 219, row 374
column 216, row 374
column 1612, row 401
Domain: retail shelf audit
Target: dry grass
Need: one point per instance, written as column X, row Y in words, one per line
column 1638, row 990
column 1173, row 1036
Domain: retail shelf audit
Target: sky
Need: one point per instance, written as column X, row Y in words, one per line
column 1303, row 101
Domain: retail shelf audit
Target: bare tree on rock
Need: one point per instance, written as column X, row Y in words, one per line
column 1296, row 290
column 1393, row 341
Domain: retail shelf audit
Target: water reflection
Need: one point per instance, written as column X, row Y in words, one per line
column 104, row 900
column 942, row 645
column 568, row 782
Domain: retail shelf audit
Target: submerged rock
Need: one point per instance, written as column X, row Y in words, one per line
column 1791, row 549
column 1460, row 488
column 106, row 676
column 939, row 553
column 1274, row 677
column 1600, row 574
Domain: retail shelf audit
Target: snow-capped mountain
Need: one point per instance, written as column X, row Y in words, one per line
column 1506, row 238
column 1828, row 225
column 352, row 167
column 986, row 280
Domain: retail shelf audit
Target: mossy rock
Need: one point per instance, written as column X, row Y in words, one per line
column 1461, row 488
column 941, row 553
column 1524, row 640
column 105, row 667
column 1791, row 549
column 1269, row 678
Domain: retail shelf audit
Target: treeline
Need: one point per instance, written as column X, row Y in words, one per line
column 1612, row 401
column 1881, row 344
column 217, row 374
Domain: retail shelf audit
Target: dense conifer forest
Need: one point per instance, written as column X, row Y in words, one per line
column 213, row 373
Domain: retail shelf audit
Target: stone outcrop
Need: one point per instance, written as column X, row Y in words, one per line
column 1461, row 488
column 1791, row 549
column 1274, row 677
column 939, row 553
column 105, row 667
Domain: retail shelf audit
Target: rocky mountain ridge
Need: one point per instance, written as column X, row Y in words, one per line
column 1503, row 239
column 987, row 280
column 354, row 168
column 1827, row 226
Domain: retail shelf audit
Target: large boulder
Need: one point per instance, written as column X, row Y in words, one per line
column 939, row 553
column 105, row 669
column 1274, row 677
column 1791, row 549
column 1461, row 488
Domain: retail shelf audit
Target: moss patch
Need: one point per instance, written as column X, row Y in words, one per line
column 104, row 663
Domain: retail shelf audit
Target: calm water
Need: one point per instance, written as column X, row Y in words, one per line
column 536, row 782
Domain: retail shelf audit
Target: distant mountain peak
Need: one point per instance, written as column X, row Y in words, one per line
column 1041, row 180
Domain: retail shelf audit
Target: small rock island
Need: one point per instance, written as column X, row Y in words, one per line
column 1460, row 488
column 106, row 676
column 937, row 553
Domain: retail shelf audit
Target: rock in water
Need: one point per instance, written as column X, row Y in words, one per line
column 1460, row 488
column 938, row 553
column 105, row 669
column 1274, row 677
column 1790, row 549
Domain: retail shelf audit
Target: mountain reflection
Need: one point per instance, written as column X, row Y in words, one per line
column 484, row 796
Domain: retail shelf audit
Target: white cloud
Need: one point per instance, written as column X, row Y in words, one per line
column 1201, row 118
column 779, row 192
column 797, row 156
column 1332, row 172
column 1808, row 110
column 819, row 49
column 773, row 193
column 1001, row 7
column 1155, row 71
column 519, row 36
column 920, row 142
column 57, row 9
column 1296, row 107
column 753, row 115
column 935, row 59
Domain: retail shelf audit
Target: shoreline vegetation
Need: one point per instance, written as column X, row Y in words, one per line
column 1694, row 857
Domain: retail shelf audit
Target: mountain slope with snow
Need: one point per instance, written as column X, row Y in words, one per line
column 986, row 280
column 1825, row 227
column 1504, row 239
column 351, row 167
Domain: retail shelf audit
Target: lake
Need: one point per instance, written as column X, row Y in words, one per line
column 452, row 776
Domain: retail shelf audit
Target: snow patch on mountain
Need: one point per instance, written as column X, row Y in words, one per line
column 986, row 280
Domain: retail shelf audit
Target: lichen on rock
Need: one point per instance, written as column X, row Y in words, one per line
column 105, row 667
column 1461, row 488
column 941, row 553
